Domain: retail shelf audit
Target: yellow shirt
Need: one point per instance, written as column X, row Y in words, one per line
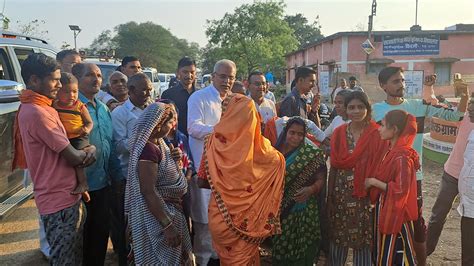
column 71, row 118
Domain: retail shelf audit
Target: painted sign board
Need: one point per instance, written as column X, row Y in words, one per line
column 324, row 82
column 394, row 45
column 413, row 83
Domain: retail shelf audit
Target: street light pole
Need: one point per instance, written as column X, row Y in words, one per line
column 416, row 13
column 76, row 31
column 369, row 31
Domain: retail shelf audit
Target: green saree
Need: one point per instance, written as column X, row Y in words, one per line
column 300, row 239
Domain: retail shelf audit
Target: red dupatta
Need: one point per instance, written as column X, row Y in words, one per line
column 365, row 157
column 398, row 171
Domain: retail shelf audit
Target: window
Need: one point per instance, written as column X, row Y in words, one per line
column 6, row 70
column 10, row 181
column 443, row 73
column 23, row 53
column 48, row 53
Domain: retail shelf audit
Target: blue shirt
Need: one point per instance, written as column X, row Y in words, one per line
column 98, row 174
column 420, row 111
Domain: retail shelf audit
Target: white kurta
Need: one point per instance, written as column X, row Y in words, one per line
column 466, row 180
column 266, row 109
column 204, row 111
column 124, row 118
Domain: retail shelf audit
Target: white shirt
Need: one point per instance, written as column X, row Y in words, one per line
column 204, row 111
column 266, row 109
column 105, row 97
column 336, row 122
column 269, row 95
column 123, row 120
column 314, row 130
column 466, row 181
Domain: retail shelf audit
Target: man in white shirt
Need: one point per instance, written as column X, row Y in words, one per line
column 257, row 86
column 204, row 111
column 340, row 110
column 466, row 196
column 342, row 86
column 123, row 119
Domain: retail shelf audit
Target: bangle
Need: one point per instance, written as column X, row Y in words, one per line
column 166, row 222
column 168, row 226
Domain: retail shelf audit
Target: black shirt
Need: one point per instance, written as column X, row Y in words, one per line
column 179, row 95
column 293, row 105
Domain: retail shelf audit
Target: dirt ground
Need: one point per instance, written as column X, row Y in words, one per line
column 19, row 243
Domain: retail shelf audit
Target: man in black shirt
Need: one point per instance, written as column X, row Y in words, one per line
column 180, row 93
column 294, row 103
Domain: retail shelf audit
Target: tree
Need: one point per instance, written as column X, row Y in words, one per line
column 210, row 55
column 154, row 45
column 102, row 42
column 254, row 36
column 65, row 46
column 303, row 31
column 32, row 28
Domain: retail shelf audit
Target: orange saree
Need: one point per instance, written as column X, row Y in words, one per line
column 246, row 176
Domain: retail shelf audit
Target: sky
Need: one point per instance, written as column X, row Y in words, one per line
column 188, row 19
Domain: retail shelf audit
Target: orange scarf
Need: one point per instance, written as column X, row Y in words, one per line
column 270, row 132
column 398, row 206
column 26, row 96
column 245, row 172
column 363, row 160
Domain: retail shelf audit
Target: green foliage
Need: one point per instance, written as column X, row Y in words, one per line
column 32, row 28
column 154, row 45
column 103, row 42
column 255, row 36
column 304, row 32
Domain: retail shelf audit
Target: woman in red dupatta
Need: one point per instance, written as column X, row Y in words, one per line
column 246, row 177
column 394, row 191
column 356, row 151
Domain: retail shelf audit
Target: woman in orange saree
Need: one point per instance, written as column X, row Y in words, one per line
column 245, row 174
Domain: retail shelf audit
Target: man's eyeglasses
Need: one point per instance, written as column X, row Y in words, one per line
column 225, row 77
column 258, row 84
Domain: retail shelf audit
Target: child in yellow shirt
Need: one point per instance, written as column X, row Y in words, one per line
column 77, row 122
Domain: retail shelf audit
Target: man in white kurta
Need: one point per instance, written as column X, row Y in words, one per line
column 257, row 87
column 204, row 111
column 466, row 197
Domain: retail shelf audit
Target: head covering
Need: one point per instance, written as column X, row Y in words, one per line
column 365, row 157
column 154, row 115
column 399, row 206
column 245, row 172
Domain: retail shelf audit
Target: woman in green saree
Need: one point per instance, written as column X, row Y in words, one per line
column 299, row 242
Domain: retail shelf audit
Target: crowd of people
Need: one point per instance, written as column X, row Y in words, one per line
column 205, row 176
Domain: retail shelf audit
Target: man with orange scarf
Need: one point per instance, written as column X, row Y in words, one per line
column 245, row 174
column 42, row 146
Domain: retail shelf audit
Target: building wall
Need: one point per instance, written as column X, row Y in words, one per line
column 350, row 59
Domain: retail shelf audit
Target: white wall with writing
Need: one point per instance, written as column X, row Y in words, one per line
column 414, row 83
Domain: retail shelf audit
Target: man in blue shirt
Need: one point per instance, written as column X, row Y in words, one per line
column 392, row 81
column 96, row 229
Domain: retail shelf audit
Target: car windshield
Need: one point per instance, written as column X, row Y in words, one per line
column 106, row 70
column 162, row 77
column 148, row 74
